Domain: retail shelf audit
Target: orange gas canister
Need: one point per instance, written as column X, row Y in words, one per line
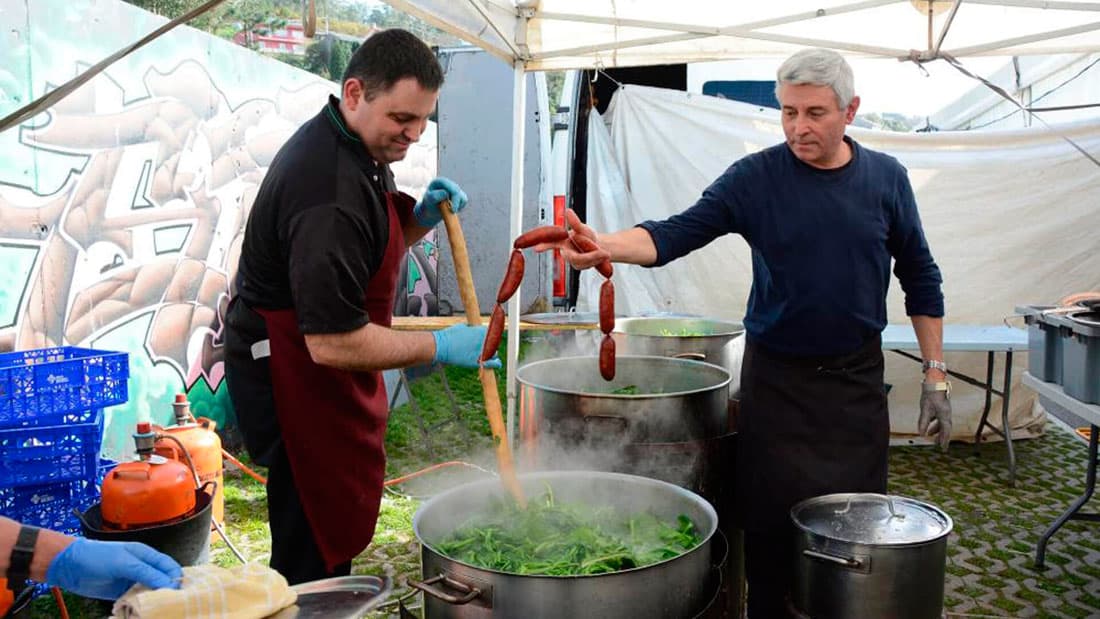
column 152, row 490
column 202, row 442
column 7, row 598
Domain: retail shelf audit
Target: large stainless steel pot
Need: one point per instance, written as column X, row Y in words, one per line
column 699, row 339
column 870, row 555
column 674, row 588
column 675, row 400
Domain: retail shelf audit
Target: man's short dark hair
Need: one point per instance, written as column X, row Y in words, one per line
column 389, row 56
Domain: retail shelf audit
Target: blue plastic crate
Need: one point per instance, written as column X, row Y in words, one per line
column 49, row 505
column 49, row 386
column 48, row 454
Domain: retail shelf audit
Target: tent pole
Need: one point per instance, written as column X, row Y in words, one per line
column 519, row 107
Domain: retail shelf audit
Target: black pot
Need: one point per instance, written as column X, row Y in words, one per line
column 184, row 540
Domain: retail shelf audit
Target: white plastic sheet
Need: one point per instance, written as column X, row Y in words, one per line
column 1011, row 217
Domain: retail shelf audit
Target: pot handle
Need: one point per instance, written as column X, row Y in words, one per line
column 695, row 356
column 718, row 534
column 470, row 593
column 848, row 562
column 882, row 497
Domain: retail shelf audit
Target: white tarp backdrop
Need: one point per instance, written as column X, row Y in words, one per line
column 1011, row 217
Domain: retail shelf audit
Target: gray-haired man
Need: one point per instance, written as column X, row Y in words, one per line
column 824, row 217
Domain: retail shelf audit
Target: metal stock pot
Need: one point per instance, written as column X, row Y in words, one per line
column 699, row 339
column 869, row 555
column 674, row 588
column 671, row 399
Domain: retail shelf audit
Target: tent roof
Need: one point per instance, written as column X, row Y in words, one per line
column 562, row 34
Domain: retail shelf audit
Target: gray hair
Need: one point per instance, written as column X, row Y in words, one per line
column 819, row 67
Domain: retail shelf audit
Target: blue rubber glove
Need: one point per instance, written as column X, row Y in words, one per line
column 427, row 211
column 461, row 345
column 106, row 570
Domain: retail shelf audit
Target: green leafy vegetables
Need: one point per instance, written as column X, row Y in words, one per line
column 684, row 332
column 627, row 390
column 566, row 539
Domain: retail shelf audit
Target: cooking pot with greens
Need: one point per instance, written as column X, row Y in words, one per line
column 699, row 339
column 588, row 544
column 651, row 399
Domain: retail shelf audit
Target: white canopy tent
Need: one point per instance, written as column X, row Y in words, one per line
column 536, row 35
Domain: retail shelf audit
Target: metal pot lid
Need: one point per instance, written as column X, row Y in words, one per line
column 561, row 318
column 342, row 597
column 873, row 519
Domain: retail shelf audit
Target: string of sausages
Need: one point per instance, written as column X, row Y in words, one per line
column 607, row 307
column 513, row 276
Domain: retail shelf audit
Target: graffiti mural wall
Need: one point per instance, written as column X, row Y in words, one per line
column 122, row 207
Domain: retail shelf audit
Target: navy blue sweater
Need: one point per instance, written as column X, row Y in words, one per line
column 821, row 240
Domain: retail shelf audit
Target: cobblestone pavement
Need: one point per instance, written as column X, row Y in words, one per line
column 991, row 553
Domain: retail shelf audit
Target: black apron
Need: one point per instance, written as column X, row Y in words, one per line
column 808, row 427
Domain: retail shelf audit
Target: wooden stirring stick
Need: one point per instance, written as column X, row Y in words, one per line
column 488, row 376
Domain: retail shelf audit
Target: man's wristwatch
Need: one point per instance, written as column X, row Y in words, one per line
column 19, row 565
column 934, row 365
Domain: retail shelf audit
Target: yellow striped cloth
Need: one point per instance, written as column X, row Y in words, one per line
column 250, row 591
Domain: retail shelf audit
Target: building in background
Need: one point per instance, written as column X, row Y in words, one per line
column 283, row 37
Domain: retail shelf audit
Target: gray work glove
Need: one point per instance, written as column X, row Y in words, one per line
column 935, row 414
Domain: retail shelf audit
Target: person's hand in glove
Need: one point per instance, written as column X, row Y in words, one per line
column 106, row 570
column 461, row 345
column 427, row 211
column 935, row 413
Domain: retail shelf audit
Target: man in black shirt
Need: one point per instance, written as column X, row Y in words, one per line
column 307, row 331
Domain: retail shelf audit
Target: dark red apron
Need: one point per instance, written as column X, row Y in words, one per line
column 333, row 421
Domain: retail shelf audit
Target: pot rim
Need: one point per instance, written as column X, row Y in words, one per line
column 733, row 328
column 624, row 396
column 712, row 525
column 948, row 523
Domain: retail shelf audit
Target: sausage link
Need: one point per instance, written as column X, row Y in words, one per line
column 493, row 334
column 586, row 245
column 607, row 358
column 542, row 234
column 512, row 277
column 607, row 307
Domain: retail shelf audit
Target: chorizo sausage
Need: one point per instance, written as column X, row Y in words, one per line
column 542, row 234
column 586, row 245
column 512, row 277
column 493, row 334
column 607, row 307
column 607, row 358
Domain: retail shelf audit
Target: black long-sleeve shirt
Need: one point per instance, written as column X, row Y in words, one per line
column 822, row 242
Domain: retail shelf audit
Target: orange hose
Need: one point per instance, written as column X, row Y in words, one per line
column 404, row 478
column 392, row 482
column 61, row 608
column 240, row 465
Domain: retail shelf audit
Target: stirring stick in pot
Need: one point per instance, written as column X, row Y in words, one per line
column 488, row 377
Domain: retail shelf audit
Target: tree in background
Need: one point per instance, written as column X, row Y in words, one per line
column 328, row 55
column 385, row 17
